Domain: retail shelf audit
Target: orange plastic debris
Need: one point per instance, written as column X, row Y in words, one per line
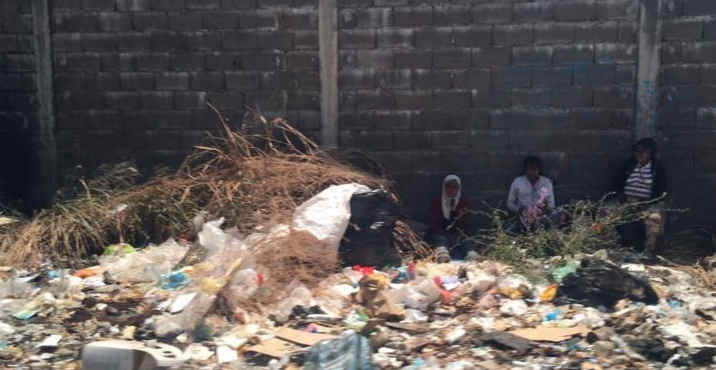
column 548, row 294
column 88, row 272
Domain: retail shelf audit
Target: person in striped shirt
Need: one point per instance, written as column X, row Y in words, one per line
column 642, row 180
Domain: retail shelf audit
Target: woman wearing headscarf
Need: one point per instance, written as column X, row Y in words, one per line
column 450, row 221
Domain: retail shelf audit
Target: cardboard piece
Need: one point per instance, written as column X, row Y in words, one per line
column 302, row 337
column 273, row 347
column 490, row 365
column 408, row 326
column 551, row 334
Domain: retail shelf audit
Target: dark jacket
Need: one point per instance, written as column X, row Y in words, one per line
column 658, row 172
column 438, row 222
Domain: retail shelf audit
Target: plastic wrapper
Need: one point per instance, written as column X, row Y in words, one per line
column 514, row 308
column 348, row 352
column 145, row 265
column 14, row 288
column 327, row 214
column 515, row 287
column 420, row 295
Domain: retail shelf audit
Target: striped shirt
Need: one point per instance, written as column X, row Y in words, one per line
column 639, row 183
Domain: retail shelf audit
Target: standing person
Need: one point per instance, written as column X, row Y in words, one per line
column 640, row 181
column 450, row 221
column 531, row 196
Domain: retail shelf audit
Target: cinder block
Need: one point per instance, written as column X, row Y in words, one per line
column 551, row 76
column 671, row 117
column 186, row 62
column 395, row 120
column 699, row 7
column 492, row 98
column 513, row 34
column 373, row 17
column 627, row 32
column 168, row 41
column 156, row 100
column 379, row 59
column 617, row 9
column 470, row 119
column 427, row 120
column 698, row 52
column 136, row 81
column 83, row 62
column 203, row 41
column 625, row 74
column 149, row 21
column 166, row 4
column 574, row 10
column 172, row 81
column 433, row 37
column 122, row 100
column 220, row 20
column 115, row 22
column 590, row 118
column 597, row 32
column 206, row 81
column 413, row 59
column 413, row 99
column 706, row 118
column 134, row 43
column 261, row 62
column 221, row 61
column 396, row 79
column 573, row 54
column 60, row 43
column 303, row 100
column 452, row 99
column 296, row 19
column 266, row 101
column 449, row 140
column 710, row 30
column 451, row 15
column 512, row 77
column 492, row 13
column 575, row 97
column 532, row 55
column 261, row 18
column 429, row 79
column 239, row 40
column 553, row 33
column 686, row 29
column 366, row 140
column 67, row 101
column 275, row 40
column 413, row 16
column 708, row 74
column 509, row 119
column 356, row 80
column 471, row 79
column 451, row 59
column 680, row 74
column 374, row 100
column 243, row 81
column 80, row 22
column 356, row 39
column 491, row 57
column 473, row 36
column 594, row 74
column 394, row 37
column 103, row 81
column 533, row 12
column 616, row 53
column 131, row 5
column 549, row 118
column 238, row 4
column 411, row 140
column 203, row 4
column 614, row 97
column 531, row 99
column 681, row 96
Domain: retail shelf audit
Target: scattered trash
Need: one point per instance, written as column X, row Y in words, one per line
column 122, row 355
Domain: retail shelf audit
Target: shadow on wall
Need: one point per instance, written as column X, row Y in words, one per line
column 18, row 163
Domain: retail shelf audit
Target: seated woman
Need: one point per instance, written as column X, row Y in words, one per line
column 531, row 197
column 450, row 221
column 641, row 182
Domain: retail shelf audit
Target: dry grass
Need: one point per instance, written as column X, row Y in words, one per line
column 254, row 176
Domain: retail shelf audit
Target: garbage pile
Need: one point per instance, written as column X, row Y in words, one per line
column 216, row 304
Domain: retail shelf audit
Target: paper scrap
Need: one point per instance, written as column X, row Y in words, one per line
column 272, row 347
column 181, row 302
column 226, row 354
column 551, row 334
column 302, row 337
column 50, row 342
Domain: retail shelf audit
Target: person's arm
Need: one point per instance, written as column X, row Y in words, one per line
column 436, row 217
column 512, row 202
column 464, row 217
column 660, row 182
column 550, row 196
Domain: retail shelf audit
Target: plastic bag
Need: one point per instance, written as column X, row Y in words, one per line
column 146, row 264
column 368, row 238
column 327, row 214
column 419, row 296
column 597, row 282
column 515, row 287
column 350, row 351
column 559, row 273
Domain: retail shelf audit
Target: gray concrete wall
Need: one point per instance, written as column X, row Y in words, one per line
column 428, row 87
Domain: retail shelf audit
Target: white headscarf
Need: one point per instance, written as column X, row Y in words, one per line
column 446, row 200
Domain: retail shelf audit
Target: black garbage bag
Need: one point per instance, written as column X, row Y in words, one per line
column 598, row 282
column 368, row 241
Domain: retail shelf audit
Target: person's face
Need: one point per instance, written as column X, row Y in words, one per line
column 451, row 188
column 532, row 173
column 642, row 155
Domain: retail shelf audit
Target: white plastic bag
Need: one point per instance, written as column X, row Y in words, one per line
column 326, row 215
column 146, row 264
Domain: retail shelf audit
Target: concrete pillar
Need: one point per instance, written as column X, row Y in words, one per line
column 328, row 54
column 46, row 173
column 647, row 92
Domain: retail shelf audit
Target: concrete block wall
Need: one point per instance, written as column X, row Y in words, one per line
column 687, row 104
column 132, row 77
column 471, row 87
column 18, row 103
